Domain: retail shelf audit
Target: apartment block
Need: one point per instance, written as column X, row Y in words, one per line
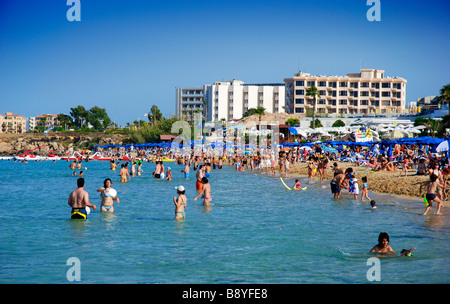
column 231, row 99
column 367, row 92
column 48, row 121
column 189, row 101
column 12, row 123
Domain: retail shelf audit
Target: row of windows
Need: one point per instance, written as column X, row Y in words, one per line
column 363, row 102
column 345, row 84
column 301, row 92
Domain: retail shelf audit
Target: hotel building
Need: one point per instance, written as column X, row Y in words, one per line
column 12, row 123
column 367, row 92
column 48, row 121
column 189, row 101
column 231, row 99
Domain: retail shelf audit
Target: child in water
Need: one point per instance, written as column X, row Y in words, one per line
column 383, row 246
column 298, row 185
column 365, row 189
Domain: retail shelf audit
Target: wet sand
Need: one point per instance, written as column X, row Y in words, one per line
column 379, row 181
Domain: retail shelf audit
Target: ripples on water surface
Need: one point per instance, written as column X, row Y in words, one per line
column 255, row 232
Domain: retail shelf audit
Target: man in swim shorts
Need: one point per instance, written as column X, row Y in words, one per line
column 336, row 183
column 78, row 200
column 431, row 197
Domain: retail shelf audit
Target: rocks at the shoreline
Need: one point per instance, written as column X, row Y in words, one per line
column 12, row 145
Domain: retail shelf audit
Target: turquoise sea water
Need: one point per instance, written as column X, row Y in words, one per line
column 255, row 232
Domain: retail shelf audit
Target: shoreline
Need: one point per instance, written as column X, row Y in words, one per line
column 380, row 182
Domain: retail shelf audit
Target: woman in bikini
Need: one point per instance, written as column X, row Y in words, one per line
column 107, row 198
column 180, row 203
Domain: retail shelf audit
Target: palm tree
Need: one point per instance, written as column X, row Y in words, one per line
column 445, row 95
column 312, row 91
column 260, row 111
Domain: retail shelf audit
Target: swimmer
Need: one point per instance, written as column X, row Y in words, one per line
column 180, row 203
column 297, row 185
column 113, row 165
column 107, row 198
column 186, row 170
column 124, row 175
column 169, row 174
column 373, row 204
column 78, row 200
column 431, row 197
column 383, row 246
column 200, row 174
column 206, row 191
column 365, row 188
column 73, row 165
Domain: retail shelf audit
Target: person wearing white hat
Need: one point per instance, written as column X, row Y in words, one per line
column 180, row 203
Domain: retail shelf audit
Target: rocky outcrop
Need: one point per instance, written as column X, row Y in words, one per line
column 13, row 144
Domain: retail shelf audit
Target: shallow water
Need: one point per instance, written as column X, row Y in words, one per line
column 255, row 231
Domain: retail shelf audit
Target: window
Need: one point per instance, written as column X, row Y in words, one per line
column 322, row 92
column 342, row 101
column 332, row 93
column 386, row 85
column 299, row 92
column 354, row 85
column 332, row 102
column 300, row 83
column 311, row 83
column 321, row 101
column 299, row 110
column 386, row 94
column 364, row 85
column 343, row 84
column 375, row 85
column 365, row 93
column 332, row 84
column 322, row 83
column 342, row 93
column 299, row 101
column 364, row 102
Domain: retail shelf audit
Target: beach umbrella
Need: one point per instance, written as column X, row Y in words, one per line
column 443, row 146
column 329, row 149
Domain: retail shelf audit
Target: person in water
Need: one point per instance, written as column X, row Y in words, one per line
column 383, row 246
column 297, row 185
column 107, row 198
column 431, row 196
column 206, row 191
column 79, row 200
column 180, row 203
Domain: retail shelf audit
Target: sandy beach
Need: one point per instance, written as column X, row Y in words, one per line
column 379, row 181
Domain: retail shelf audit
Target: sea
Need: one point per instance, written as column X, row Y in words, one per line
column 256, row 231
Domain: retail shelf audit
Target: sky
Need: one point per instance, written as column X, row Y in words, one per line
column 127, row 55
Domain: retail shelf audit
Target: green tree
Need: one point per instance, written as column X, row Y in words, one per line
column 98, row 118
column 154, row 115
column 338, row 123
column 312, row 91
column 444, row 96
column 79, row 115
column 317, row 123
column 292, row 121
column 65, row 120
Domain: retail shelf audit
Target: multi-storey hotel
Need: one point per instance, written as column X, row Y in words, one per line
column 12, row 123
column 188, row 101
column 231, row 99
column 367, row 92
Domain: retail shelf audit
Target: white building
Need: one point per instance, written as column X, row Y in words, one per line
column 189, row 101
column 231, row 99
column 367, row 92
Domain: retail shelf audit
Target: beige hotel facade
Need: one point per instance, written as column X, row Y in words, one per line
column 364, row 93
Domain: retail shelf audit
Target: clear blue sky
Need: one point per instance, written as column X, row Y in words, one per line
column 126, row 56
